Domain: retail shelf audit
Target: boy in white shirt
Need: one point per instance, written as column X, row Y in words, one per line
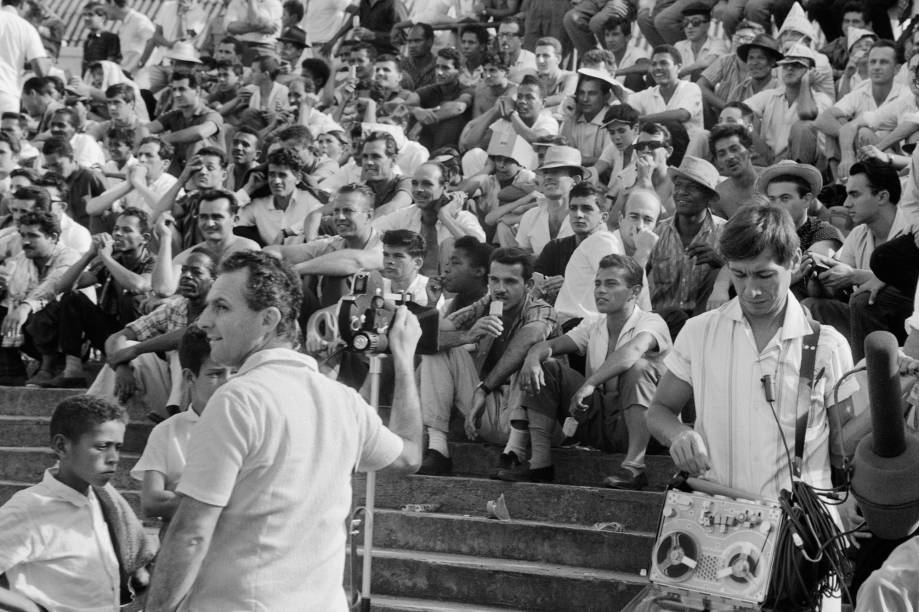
column 403, row 256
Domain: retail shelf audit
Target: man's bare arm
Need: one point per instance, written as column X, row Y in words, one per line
column 514, row 354
column 183, row 551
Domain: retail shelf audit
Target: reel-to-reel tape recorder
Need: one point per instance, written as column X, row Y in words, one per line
column 713, row 553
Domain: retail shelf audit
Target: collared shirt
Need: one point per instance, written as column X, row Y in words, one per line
column 28, row 283
column 576, row 297
column 887, row 116
column 176, row 120
column 485, row 96
column 861, row 99
column 563, row 82
column 421, row 72
column 744, row 89
column 778, row 115
column 525, row 64
column 323, row 18
column 101, row 46
column 533, row 312
column 19, row 43
column 592, row 336
column 194, row 22
column 270, row 220
column 170, row 315
column 724, row 74
column 586, row 136
column 135, row 31
column 266, row 9
column 56, row 550
column 278, row 421
column 111, row 288
column 712, row 49
column 380, row 16
column 167, row 448
column 533, row 230
column 716, row 354
column 274, row 103
column 676, row 280
column 410, row 218
column 161, row 185
column 633, row 53
column 859, row 245
column 687, row 96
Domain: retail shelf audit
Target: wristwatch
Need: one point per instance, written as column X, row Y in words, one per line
column 484, row 387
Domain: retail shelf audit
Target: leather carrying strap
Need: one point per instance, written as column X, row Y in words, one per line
column 805, row 386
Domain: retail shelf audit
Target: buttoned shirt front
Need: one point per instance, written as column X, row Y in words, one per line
column 586, row 136
column 632, row 54
column 135, row 31
column 686, row 96
column 55, row 548
column 861, row 100
column 712, row 49
column 777, row 115
column 716, row 355
column 676, row 280
column 28, row 283
column 533, row 230
column 592, row 336
column 271, row 10
column 264, row 214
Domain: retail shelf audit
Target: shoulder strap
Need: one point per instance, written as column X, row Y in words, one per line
column 805, row 386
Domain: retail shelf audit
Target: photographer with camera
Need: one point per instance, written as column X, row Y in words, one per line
column 243, row 536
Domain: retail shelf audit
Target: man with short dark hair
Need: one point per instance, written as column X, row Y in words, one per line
column 584, row 22
column 145, row 183
column 65, row 123
column 473, row 44
column 236, row 495
column 510, row 45
column 731, row 146
column 492, row 86
column 191, row 125
column 100, row 44
column 442, row 108
column 82, row 183
column 671, row 98
column 524, row 114
column 465, row 275
column 584, row 129
column 419, row 62
column 378, row 164
column 121, row 104
column 698, row 50
column 27, row 286
column 482, row 385
column 135, row 30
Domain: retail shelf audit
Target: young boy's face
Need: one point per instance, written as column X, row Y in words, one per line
column 93, row 458
column 399, row 265
column 201, row 386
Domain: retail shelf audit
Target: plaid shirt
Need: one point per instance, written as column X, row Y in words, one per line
column 169, row 316
column 533, row 312
column 676, row 281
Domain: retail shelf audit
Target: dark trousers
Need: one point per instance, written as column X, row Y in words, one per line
column 11, row 357
column 64, row 325
column 890, row 309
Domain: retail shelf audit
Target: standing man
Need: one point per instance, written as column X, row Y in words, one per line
column 236, row 490
column 135, row 31
column 19, row 44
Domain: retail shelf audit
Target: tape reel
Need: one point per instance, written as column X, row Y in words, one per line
column 676, row 555
column 740, row 564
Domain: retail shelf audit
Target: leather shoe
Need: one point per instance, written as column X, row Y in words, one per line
column 626, row 479
column 507, row 461
column 434, row 463
column 40, row 379
column 543, row 474
column 66, row 382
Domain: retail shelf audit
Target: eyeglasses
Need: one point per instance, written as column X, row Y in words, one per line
column 743, row 38
column 648, row 145
column 694, row 22
column 508, row 34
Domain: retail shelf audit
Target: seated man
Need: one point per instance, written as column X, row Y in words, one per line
column 616, row 165
column 379, row 171
column 331, row 262
column 550, row 218
column 27, row 199
column 482, row 384
column 585, row 21
column 122, row 265
column 873, row 190
column 684, row 263
column 56, row 548
column 492, row 86
column 443, row 108
column 403, row 255
column 732, row 70
column 465, row 276
column 86, row 150
column 436, row 215
column 698, row 50
column 672, row 99
column 630, row 61
column 120, row 103
column 133, row 371
column 145, row 183
column 733, row 113
column 28, row 285
column 608, row 406
column 278, row 216
column 583, row 130
column 556, row 84
column 82, row 183
column 731, row 146
column 216, row 211
column 525, row 116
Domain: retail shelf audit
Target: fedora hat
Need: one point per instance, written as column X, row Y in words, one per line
column 765, row 42
column 558, row 156
column 698, row 171
column 183, row 51
column 799, row 53
column 785, row 167
column 295, row 35
column 506, row 143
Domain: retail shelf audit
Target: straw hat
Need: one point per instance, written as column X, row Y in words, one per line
column 562, row 157
column 698, row 171
column 787, row 166
column 765, row 42
column 183, row 51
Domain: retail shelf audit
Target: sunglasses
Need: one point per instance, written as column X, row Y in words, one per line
column 694, row 22
column 648, row 145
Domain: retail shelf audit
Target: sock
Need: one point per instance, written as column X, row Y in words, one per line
column 73, row 365
column 437, row 440
column 517, row 443
column 541, row 428
column 635, row 468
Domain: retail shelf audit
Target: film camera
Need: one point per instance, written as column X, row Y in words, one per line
column 364, row 318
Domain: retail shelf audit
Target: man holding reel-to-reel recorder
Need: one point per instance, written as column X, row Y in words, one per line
column 763, row 377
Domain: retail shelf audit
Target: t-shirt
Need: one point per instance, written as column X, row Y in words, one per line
column 555, row 255
column 275, row 449
column 167, row 448
column 591, row 336
column 175, row 120
column 444, row 133
column 82, row 185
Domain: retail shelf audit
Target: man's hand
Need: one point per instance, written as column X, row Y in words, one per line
column 838, row 276
column 449, row 210
column 193, row 167
column 104, row 244
column 872, row 288
column 551, row 285
column 434, row 289
column 705, row 253
column 532, row 378
column 474, row 418
column 137, row 175
column 163, row 227
column 689, row 452
column 121, row 357
column 13, row 321
column 256, row 181
column 489, row 325
column 404, row 333
column 125, row 386
column 578, row 405
column 362, row 33
column 424, row 116
column 645, row 240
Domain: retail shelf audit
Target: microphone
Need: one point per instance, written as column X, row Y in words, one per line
column 886, row 460
column 768, row 388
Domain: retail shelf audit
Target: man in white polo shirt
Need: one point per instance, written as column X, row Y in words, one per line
column 19, row 43
column 672, row 98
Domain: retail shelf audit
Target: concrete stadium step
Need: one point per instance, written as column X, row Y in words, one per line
column 576, row 466
column 519, row 540
column 383, row 603
column 28, row 464
column 500, row 582
column 33, row 431
column 35, row 401
column 636, row 511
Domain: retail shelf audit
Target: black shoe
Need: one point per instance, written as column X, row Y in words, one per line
column 12, row 381
column 626, row 479
column 507, row 461
column 543, row 474
column 155, row 417
column 435, row 463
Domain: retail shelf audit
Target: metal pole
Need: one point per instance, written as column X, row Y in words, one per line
column 374, row 373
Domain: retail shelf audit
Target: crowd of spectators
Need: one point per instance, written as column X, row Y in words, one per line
column 554, row 178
